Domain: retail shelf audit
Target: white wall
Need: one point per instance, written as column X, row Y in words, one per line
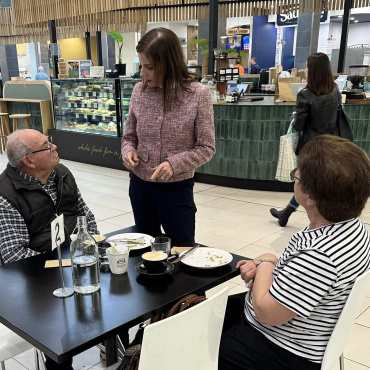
column 128, row 50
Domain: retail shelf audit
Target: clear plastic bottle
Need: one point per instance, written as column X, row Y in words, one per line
column 85, row 259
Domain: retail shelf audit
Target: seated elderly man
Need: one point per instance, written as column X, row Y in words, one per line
column 34, row 188
column 287, row 317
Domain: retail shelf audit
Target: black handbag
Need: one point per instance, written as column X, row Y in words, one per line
column 344, row 124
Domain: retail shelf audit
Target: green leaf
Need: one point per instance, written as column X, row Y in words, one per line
column 200, row 42
column 203, row 52
column 242, row 53
column 227, row 51
column 116, row 36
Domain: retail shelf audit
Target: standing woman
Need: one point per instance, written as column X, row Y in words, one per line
column 316, row 113
column 169, row 133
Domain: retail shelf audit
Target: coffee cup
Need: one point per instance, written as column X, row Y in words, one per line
column 155, row 261
column 118, row 258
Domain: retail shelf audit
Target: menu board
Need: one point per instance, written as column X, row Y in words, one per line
column 73, row 68
column 84, row 68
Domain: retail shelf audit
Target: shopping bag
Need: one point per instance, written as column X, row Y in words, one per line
column 287, row 158
column 343, row 124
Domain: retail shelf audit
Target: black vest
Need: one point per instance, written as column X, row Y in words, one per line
column 36, row 206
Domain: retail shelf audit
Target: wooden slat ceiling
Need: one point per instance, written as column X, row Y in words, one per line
column 26, row 21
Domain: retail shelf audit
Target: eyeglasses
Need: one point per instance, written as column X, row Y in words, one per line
column 50, row 149
column 293, row 177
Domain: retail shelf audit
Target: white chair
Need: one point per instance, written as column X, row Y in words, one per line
column 12, row 345
column 187, row 340
column 342, row 329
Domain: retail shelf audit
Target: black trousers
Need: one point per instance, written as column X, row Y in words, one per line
column 168, row 204
column 243, row 347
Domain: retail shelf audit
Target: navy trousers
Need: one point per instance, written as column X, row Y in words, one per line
column 243, row 347
column 168, row 204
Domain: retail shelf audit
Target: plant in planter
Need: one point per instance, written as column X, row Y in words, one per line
column 118, row 38
column 233, row 53
column 203, row 45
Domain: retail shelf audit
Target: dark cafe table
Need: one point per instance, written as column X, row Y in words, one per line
column 62, row 328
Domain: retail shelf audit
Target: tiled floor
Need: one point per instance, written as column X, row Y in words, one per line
column 232, row 219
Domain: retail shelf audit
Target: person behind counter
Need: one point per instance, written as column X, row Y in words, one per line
column 316, row 113
column 41, row 75
column 255, row 68
column 169, row 132
column 241, row 68
column 284, row 322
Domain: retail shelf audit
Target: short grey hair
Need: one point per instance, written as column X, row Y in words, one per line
column 41, row 69
column 16, row 149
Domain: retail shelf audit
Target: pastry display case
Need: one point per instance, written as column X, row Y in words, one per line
column 87, row 106
column 127, row 85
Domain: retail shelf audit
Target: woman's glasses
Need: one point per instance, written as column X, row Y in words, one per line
column 293, row 177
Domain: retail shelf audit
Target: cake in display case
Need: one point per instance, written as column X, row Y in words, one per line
column 86, row 105
column 94, row 106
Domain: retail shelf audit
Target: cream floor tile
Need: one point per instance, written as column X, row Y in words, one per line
column 102, row 213
column 358, row 347
column 220, row 191
column 113, row 202
column 206, row 211
column 122, row 221
column 253, row 250
column 106, row 227
column 272, row 202
column 12, row 364
column 364, row 317
column 225, row 203
column 222, row 242
column 350, row 365
column 274, row 241
column 200, row 198
column 262, row 223
column 245, row 234
column 254, row 209
column 199, row 187
column 237, row 218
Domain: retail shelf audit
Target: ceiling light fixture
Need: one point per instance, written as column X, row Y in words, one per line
column 356, row 21
column 352, row 18
column 331, row 38
column 281, row 42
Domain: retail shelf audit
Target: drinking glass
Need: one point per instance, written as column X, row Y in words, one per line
column 161, row 244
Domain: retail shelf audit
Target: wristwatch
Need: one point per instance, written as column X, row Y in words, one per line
column 264, row 260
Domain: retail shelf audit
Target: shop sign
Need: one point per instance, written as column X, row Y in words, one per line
column 84, row 68
column 291, row 18
column 97, row 71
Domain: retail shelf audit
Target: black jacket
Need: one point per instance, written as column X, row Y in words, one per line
column 36, row 206
column 315, row 115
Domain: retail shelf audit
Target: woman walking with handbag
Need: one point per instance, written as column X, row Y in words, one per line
column 316, row 113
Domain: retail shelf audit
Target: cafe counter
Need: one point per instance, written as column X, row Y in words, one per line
column 248, row 137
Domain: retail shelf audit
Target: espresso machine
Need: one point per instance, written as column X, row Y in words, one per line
column 356, row 74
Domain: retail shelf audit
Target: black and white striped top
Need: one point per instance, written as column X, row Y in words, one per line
column 313, row 278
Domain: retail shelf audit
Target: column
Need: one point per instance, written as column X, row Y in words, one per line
column 108, row 52
column 8, row 62
column 307, row 37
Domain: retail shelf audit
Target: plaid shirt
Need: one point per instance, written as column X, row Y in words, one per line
column 14, row 237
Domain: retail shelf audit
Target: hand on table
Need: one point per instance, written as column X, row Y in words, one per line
column 162, row 172
column 130, row 160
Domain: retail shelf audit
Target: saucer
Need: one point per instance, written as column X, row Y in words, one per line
column 144, row 271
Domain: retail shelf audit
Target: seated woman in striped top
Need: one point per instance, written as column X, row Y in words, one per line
column 285, row 320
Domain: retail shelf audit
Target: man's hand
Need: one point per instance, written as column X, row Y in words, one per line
column 130, row 160
column 163, row 172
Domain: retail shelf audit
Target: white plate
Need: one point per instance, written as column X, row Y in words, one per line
column 207, row 258
column 132, row 236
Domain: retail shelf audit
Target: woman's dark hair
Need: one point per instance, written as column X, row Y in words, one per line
column 162, row 47
column 336, row 174
column 320, row 79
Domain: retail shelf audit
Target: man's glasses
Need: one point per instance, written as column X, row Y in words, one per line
column 50, row 149
column 293, row 177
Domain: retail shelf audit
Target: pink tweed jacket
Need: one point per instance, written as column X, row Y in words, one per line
column 184, row 136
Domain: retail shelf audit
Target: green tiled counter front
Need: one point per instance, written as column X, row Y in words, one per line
column 248, row 137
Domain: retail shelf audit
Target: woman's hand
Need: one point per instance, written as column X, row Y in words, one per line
column 130, row 160
column 163, row 172
column 248, row 271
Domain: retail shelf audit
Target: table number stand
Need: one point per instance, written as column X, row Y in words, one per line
column 57, row 237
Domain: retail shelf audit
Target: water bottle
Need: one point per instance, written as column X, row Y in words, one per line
column 85, row 259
